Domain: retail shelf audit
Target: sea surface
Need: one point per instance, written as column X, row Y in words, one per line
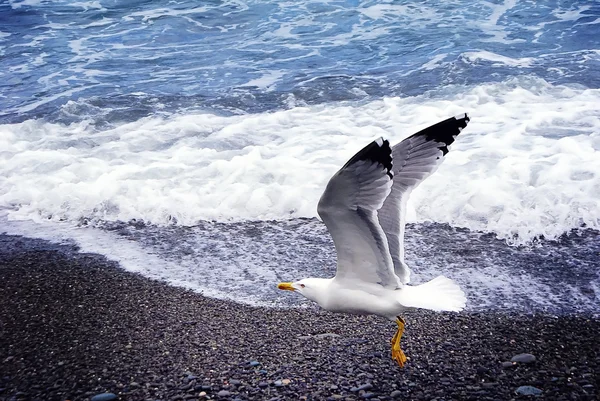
column 190, row 141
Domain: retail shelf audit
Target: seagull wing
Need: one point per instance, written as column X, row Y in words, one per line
column 415, row 158
column 349, row 207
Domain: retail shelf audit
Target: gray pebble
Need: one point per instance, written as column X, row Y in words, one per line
column 326, row 335
column 365, row 387
column 528, row 390
column 396, row 394
column 104, row 397
column 523, row 358
column 223, row 393
column 507, row 364
column 253, row 363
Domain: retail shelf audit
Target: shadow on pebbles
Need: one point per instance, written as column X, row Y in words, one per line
column 76, row 327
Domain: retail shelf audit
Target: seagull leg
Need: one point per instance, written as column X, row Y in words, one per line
column 397, row 354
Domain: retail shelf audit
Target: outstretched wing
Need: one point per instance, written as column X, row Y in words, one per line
column 349, row 207
column 415, row 158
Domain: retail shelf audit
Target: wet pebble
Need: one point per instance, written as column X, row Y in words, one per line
column 523, row 358
column 104, row 397
column 528, row 390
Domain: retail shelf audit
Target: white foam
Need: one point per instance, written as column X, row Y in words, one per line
column 151, row 15
column 528, row 164
column 493, row 25
column 88, row 5
column 20, row 3
column 498, row 59
column 136, row 258
column 266, row 81
column 571, row 14
column 434, row 62
column 387, row 11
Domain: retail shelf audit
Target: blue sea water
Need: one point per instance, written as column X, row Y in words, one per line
column 121, row 60
column 191, row 140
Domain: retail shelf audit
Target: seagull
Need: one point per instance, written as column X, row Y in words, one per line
column 364, row 209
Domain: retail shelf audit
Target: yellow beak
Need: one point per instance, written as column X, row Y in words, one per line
column 286, row 286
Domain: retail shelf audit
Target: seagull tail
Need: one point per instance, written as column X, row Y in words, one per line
column 439, row 294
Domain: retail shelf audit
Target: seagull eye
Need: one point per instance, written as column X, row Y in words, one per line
column 302, row 286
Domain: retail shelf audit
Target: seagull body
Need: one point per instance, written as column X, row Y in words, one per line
column 364, row 209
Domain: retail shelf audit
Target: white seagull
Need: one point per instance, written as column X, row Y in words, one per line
column 364, row 209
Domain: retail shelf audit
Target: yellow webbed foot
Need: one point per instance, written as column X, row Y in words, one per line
column 399, row 357
column 397, row 353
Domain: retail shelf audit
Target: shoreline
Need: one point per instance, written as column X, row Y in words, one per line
column 76, row 325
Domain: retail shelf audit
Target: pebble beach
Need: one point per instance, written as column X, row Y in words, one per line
column 77, row 327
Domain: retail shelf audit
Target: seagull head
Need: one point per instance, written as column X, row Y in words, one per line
column 312, row 288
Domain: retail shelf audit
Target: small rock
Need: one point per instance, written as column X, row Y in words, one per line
column 253, row 363
column 235, row 382
column 367, row 395
column 223, row 393
column 523, row 358
column 326, row 335
column 333, row 387
column 507, row 364
column 482, row 370
column 365, row 387
column 528, row 390
column 588, row 386
column 278, row 383
column 202, row 394
column 104, row 397
column 396, row 394
column 263, row 384
column 286, row 382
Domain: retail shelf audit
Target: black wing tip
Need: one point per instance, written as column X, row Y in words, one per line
column 445, row 132
column 462, row 120
column 378, row 151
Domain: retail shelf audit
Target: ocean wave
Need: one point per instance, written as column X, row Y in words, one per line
column 526, row 167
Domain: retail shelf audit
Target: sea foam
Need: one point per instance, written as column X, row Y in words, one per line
column 527, row 166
